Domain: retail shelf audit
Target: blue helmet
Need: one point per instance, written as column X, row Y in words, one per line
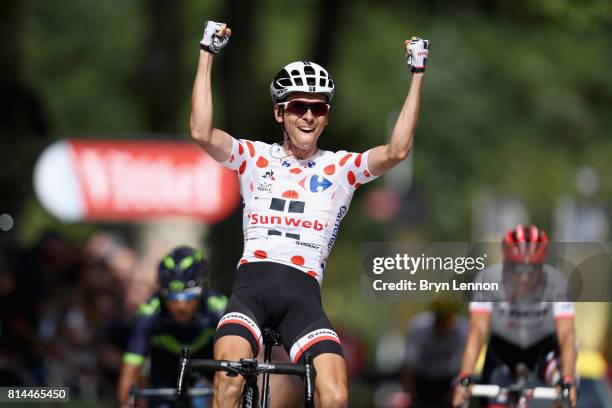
column 184, row 270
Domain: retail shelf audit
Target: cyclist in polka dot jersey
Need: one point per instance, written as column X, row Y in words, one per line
column 295, row 196
column 293, row 207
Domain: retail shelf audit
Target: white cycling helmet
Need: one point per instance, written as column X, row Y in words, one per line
column 301, row 76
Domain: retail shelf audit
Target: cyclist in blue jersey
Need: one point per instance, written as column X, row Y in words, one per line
column 183, row 313
column 295, row 196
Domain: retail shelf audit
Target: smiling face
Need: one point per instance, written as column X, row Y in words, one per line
column 303, row 131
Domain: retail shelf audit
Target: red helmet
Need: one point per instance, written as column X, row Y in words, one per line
column 525, row 245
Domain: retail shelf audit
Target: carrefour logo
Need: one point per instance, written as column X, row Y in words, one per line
column 319, row 183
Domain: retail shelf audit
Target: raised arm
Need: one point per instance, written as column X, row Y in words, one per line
column 217, row 143
column 383, row 158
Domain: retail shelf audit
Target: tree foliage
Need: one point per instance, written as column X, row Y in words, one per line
column 516, row 97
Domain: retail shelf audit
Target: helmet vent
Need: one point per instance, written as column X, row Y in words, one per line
column 301, row 76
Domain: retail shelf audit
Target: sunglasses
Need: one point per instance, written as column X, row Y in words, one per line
column 300, row 108
column 184, row 295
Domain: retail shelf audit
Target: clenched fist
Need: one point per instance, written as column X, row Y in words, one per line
column 216, row 36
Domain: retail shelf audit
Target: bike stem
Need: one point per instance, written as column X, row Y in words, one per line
column 271, row 339
column 182, row 389
column 309, row 381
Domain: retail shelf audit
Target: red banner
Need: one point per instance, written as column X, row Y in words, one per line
column 133, row 180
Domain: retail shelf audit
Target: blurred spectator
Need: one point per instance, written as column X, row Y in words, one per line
column 354, row 349
column 110, row 250
column 43, row 276
column 433, row 354
column 592, row 327
column 389, row 359
column 8, row 284
column 80, row 343
column 66, row 311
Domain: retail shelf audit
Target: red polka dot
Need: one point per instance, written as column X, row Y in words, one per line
column 240, row 148
column 366, row 173
column 242, row 167
column 295, row 170
column 351, row 178
column 298, row 260
column 243, row 261
column 329, row 170
column 301, row 183
column 312, row 273
column 357, row 185
column 251, row 186
column 262, row 162
column 231, row 158
column 261, row 254
column 358, row 161
column 345, row 158
column 251, row 148
column 291, row 194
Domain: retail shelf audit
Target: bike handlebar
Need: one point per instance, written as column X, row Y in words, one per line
column 244, row 365
column 247, row 368
column 492, row 391
column 170, row 392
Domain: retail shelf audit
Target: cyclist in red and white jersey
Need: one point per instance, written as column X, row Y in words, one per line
column 295, row 196
column 531, row 320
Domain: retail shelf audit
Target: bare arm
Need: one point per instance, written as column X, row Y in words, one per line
column 217, row 143
column 127, row 378
column 567, row 344
column 566, row 336
column 383, row 158
column 479, row 328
